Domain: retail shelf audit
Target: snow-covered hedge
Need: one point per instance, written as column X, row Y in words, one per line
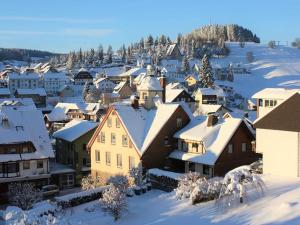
column 164, row 180
column 78, row 198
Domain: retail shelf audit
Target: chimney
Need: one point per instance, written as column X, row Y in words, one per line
column 163, row 83
column 212, row 119
column 134, row 101
column 5, row 122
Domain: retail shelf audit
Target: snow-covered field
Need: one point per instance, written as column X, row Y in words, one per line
column 278, row 67
column 280, row 205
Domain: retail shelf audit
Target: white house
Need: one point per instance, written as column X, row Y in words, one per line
column 25, row 147
column 53, row 82
column 268, row 98
column 278, row 138
column 104, row 85
column 23, row 80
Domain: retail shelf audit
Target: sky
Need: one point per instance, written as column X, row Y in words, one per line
column 64, row 25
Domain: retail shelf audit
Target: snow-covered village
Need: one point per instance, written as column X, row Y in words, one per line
column 149, row 112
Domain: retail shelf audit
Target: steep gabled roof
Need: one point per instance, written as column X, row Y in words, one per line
column 285, row 116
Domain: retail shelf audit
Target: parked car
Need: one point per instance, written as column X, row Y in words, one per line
column 50, row 190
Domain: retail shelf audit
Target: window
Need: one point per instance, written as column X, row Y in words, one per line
column 97, row 155
column 109, row 122
column 124, row 140
column 117, row 123
column 107, row 157
column 166, row 140
column 260, row 102
column 195, row 146
column 12, row 150
column 230, row 148
column 102, row 137
column 12, row 168
column 267, row 103
column 25, row 149
column 113, row 138
column 26, row 165
column 205, row 169
column 39, row 164
column 244, row 147
column 179, row 122
column 119, row 160
column 131, row 162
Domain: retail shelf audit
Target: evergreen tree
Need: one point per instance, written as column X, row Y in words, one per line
column 141, row 45
column 230, row 76
column 185, row 64
column 71, row 60
column 109, row 54
column 100, row 53
column 206, row 75
column 162, row 40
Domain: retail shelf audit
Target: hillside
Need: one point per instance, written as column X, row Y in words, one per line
column 22, row 54
column 279, row 67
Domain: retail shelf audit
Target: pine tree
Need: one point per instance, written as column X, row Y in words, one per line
column 71, row 60
column 230, row 76
column 109, row 54
column 149, row 41
column 162, row 40
column 185, row 64
column 100, row 53
column 206, row 75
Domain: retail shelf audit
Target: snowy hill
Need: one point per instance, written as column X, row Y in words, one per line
column 278, row 67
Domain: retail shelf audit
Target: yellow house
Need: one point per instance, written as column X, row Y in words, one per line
column 191, row 80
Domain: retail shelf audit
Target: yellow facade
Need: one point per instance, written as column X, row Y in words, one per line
column 191, row 80
column 112, row 139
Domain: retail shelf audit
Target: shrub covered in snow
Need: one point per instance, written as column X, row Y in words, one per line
column 236, row 185
column 136, row 175
column 186, row 185
column 90, row 182
column 119, row 181
column 23, row 195
column 114, row 201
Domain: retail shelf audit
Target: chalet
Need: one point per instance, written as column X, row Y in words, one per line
column 210, row 96
column 278, row 137
column 4, row 93
column 71, row 149
column 104, row 85
column 212, row 147
column 268, row 98
column 25, row 147
column 180, row 95
column 83, row 77
column 140, row 133
column 123, row 89
column 173, row 52
column 38, row 95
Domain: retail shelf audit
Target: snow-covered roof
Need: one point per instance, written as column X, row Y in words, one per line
column 275, row 93
column 59, row 113
column 119, row 86
column 35, row 91
column 74, row 129
column 133, row 72
column 215, row 138
column 205, row 109
column 171, row 94
column 4, row 91
column 211, row 91
column 147, row 123
column 25, row 124
column 150, row 83
column 50, row 75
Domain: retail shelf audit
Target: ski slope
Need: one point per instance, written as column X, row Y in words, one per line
column 278, row 67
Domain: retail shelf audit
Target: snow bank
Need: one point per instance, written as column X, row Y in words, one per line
column 160, row 173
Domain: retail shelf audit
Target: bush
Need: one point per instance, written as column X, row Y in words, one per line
column 90, row 182
column 119, row 181
column 114, row 200
column 186, row 185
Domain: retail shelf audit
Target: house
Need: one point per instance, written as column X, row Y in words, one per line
column 175, row 85
column 210, row 96
column 278, row 137
column 140, row 133
column 23, row 81
column 144, row 60
column 53, row 82
column 38, row 95
column 213, row 146
column 123, row 89
column 4, row 93
column 180, row 95
column 65, row 112
column 173, row 52
column 83, row 77
column 191, row 80
column 71, row 149
column 104, row 85
column 206, row 109
column 268, row 98
column 66, row 91
column 25, row 147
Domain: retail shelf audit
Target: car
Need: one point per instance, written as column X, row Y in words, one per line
column 50, row 190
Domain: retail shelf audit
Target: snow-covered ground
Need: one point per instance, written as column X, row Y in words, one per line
column 280, row 205
column 278, row 67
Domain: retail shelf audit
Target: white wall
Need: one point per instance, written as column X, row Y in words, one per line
column 280, row 151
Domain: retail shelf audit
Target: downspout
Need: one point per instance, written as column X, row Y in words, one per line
column 298, row 164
